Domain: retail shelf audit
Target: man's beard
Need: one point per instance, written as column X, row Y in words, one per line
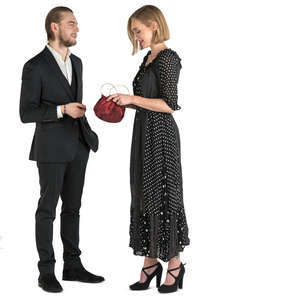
column 65, row 42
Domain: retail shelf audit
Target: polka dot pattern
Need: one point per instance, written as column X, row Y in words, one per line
column 158, row 226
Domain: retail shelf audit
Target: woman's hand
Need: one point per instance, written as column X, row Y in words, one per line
column 121, row 99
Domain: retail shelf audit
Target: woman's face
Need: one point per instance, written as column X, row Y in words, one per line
column 142, row 33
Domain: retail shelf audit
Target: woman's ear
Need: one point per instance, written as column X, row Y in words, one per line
column 154, row 25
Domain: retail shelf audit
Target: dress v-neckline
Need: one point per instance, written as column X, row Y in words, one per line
column 149, row 52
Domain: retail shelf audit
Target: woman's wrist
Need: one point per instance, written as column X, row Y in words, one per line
column 133, row 99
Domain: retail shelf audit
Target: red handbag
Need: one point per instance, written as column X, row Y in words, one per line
column 109, row 111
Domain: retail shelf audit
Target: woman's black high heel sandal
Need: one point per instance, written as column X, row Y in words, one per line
column 139, row 286
column 178, row 281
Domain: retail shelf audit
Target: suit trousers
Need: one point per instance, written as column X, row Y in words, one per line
column 65, row 180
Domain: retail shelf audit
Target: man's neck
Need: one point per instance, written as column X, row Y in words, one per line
column 61, row 49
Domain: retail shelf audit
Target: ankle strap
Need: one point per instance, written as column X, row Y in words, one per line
column 181, row 265
column 170, row 270
column 149, row 267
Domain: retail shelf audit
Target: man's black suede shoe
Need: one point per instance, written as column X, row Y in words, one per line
column 49, row 283
column 82, row 275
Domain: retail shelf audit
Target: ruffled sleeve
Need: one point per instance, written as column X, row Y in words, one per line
column 169, row 68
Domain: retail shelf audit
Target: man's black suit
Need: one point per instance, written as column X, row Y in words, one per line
column 61, row 148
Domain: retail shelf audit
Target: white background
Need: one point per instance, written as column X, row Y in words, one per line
column 239, row 126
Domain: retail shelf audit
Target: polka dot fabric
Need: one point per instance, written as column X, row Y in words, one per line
column 158, row 226
column 169, row 74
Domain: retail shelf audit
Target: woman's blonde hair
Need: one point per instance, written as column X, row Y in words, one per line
column 147, row 14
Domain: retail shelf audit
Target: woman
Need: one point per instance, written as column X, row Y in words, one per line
column 158, row 227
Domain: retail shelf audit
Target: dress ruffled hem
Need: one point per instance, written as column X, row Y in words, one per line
column 159, row 236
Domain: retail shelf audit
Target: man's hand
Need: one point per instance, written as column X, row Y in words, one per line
column 74, row 109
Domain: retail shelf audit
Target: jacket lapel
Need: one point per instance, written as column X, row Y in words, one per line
column 76, row 69
column 57, row 71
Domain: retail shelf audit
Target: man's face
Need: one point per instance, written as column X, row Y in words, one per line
column 67, row 30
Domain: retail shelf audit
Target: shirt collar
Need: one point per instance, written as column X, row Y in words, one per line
column 57, row 55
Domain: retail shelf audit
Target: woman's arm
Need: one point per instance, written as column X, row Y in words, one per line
column 131, row 101
column 154, row 104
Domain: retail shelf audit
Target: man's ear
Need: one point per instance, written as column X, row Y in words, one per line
column 54, row 27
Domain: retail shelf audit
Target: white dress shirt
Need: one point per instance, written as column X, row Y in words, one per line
column 65, row 67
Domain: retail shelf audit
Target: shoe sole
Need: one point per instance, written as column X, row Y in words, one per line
column 167, row 292
column 56, row 291
column 66, row 279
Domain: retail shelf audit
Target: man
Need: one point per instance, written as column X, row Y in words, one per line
column 51, row 96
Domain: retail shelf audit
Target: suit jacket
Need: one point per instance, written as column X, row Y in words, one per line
column 44, row 87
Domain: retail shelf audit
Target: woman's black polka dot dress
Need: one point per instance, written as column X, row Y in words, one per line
column 158, row 226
